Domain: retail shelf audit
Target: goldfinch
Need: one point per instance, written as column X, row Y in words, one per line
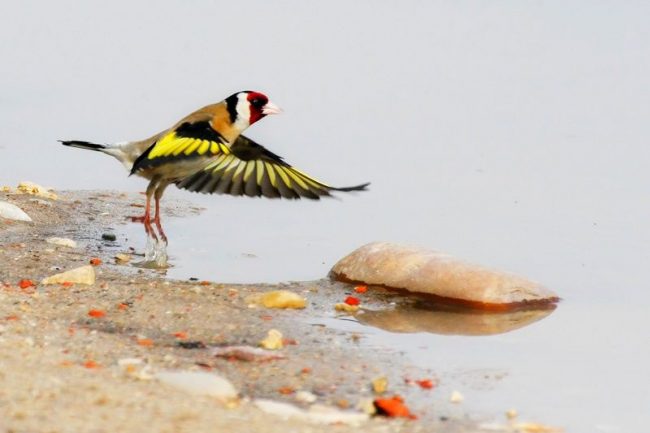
column 205, row 152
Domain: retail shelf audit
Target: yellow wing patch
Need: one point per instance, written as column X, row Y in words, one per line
column 228, row 174
column 173, row 145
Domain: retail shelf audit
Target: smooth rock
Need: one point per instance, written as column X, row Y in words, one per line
column 425, row 271
column 81, row 275
column 200, row 383
column 64, row 242
column 12, row 212
column 317, row 414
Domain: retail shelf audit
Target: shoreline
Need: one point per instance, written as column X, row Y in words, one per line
column 60, row 367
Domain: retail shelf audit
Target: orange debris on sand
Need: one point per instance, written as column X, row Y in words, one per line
column 361, row 289
column 425, row 383
column 147, row 342
column 95, row 261
column 351, row 300
column 91, row 364
column 286, row 390
column 96, row 313
column 393, row 407
column 25, row 284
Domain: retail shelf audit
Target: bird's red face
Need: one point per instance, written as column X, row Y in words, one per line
column 260, row 106
column 247, row 107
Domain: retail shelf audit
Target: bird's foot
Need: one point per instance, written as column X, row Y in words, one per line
column 138, row 219
column 148, row 228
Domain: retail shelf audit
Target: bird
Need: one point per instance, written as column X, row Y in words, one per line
column 206, row 152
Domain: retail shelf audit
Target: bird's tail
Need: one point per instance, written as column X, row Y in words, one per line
column 362, row 187
column 83, row 144
column 121, row 151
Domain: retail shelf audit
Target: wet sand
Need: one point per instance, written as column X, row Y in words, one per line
column 59, row 367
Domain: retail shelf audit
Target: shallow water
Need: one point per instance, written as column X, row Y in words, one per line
column 511, row 134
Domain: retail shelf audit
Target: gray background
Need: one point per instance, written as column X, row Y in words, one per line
column 511, row 133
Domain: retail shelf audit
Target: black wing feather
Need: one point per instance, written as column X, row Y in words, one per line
column 285, row 181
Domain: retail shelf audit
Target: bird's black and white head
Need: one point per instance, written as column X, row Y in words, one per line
column 247, row 107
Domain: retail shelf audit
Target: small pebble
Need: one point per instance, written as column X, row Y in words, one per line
column 380, row 385
column 283, row 299
column 316, row 414
column 305, row 397
column 347, row 308
column 81, row 275
column 200, row 383
column 456, row 397
column 122, row 258
column 273, row 340
column 36, row 189
column 63, row 242
column 109, row 237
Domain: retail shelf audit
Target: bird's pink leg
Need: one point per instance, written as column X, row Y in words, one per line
column 156, row 220
column 146, row 219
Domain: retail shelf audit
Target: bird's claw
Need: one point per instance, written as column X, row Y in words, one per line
column 137, row 219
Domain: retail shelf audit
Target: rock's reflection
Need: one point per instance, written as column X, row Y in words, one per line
column 449, row 320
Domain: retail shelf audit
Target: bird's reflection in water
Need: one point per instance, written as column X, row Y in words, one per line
column 423, row 316
column 155, row 255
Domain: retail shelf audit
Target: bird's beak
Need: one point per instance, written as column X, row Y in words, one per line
column 271, row 108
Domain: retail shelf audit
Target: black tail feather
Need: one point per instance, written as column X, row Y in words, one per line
column 361, row 187
column 82, row 144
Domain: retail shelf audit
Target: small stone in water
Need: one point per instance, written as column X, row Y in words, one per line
column 109, row 237
column 456, row 397
column 425, row 271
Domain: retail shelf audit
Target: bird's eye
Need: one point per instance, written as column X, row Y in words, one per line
column 257, row 102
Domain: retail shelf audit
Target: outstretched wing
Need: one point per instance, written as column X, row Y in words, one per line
column 189, row 140
column 252, row 170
